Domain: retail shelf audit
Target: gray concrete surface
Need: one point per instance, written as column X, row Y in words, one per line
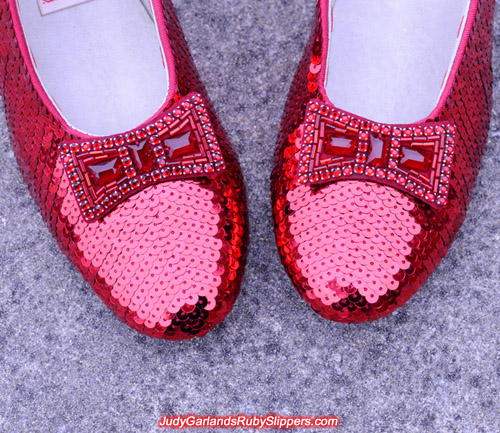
column 68, row 365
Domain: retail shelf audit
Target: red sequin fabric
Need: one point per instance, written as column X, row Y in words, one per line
column 357, row 249
column 168, row 259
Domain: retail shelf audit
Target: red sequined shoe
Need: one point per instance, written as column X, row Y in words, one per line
column 153, row 216
column 367, row 197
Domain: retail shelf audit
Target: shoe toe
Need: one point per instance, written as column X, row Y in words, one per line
column 164, row 261
column 352, row 245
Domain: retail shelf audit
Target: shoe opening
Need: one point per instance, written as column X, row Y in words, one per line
column 390, row 60
column 100, row 63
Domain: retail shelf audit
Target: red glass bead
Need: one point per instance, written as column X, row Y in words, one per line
column 339, row 145
column 142, row 155
column 361, row 158
column 347, row 170
column 377, row 154
column 417, row 159
column 106, row 172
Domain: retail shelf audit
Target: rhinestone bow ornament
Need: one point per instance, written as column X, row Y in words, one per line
column 416, row 159
column 106, row 171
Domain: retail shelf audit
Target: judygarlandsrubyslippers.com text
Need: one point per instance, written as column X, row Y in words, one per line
column 247, row 421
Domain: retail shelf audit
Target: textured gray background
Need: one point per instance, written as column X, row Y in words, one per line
column 68, row 365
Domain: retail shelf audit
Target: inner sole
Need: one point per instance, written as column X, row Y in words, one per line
column 388, row 60
column 100, row 62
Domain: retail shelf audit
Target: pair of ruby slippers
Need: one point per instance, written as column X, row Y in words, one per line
column 154, row 215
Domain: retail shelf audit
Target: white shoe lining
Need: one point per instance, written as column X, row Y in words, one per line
column 100, row 62
column 389, row 60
